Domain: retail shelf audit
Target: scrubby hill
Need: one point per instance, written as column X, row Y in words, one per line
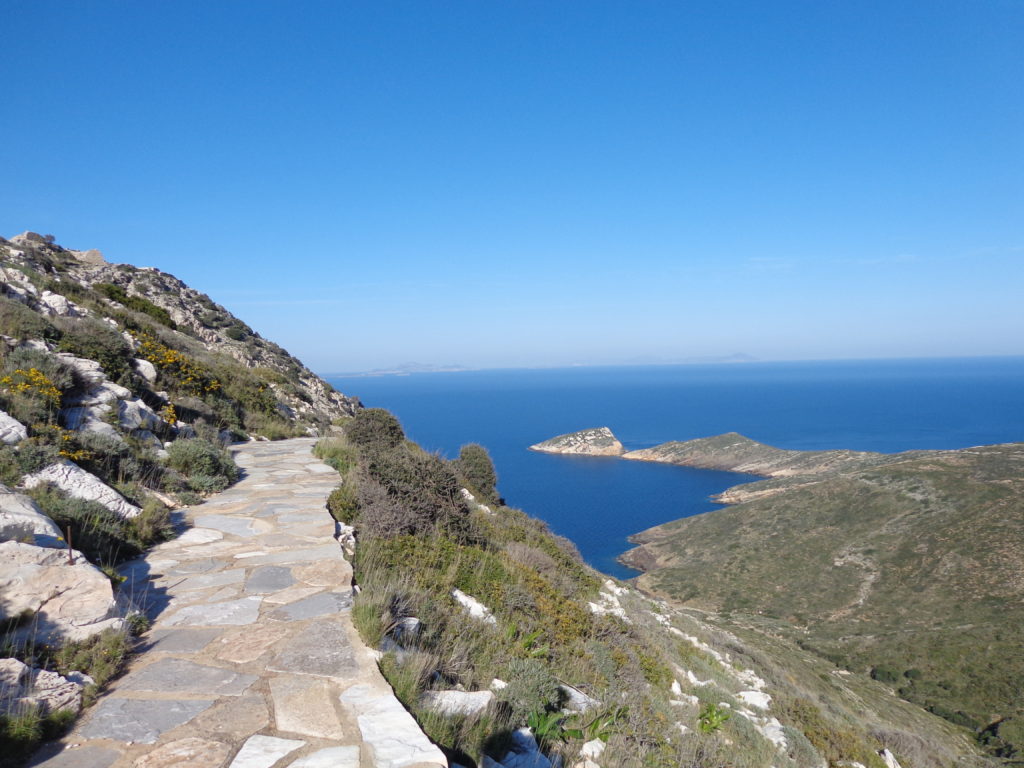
column 908, row 568
column 488, row 624
column 118, row 388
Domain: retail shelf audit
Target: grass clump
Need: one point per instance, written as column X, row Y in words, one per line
column 207, row 467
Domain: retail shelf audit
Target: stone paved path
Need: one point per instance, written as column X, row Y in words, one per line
column 252, row 660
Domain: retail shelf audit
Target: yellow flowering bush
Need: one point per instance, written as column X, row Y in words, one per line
column 31, row 382
column 188, row 374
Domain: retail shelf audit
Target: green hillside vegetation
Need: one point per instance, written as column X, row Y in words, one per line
column 419, row 538
column 907, row 570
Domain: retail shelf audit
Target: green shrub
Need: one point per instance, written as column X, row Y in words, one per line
column 22, row 323
column 101, row 535
column 421, row 483
column 343, row 503
column 207, row 466
column 475, row 466
column 531, row 688
column 374, row 429
column 336, row 453
column 138, row 303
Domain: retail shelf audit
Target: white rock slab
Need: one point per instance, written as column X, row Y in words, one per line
column 756, row 699
column 12, row 431
column 457, row 702
column 391, row 732
column 263, row 751
column 474, row 607
column 21, row 519
column 71, row 601
column 79, row 484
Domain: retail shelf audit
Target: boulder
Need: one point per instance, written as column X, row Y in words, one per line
column 22, row 687
column 474, row 607
column 67, row 601
column 133, row 414
column 145, row 369
column 78, row 483
column 576, row 701
column 55, row 305
column 456, row 702
column 22, row 520
column 12, row 431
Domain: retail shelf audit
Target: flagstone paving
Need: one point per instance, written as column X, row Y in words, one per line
column 252, row 660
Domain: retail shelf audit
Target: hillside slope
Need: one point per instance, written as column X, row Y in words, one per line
column 119, row 387
column 908, row 567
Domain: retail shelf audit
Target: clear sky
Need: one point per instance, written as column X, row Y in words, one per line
column 509, row 183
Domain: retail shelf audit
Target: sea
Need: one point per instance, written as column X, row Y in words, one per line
column 598, row 502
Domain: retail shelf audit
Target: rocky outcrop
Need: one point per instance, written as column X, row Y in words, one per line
column 79, row 484
column 50, row 598
column 23, row 688
column 587, row 442
column 22, row 520
column 12, row 431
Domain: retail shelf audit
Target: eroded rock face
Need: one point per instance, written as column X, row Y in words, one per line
column 22, row 687
column 55, row 305
column 78, row 483
column 22, row 520
column 12, row 431
column 587, row 442
column 69, row 601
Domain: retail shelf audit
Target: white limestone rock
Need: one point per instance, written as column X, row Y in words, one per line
column 889, row 759
column 22, row 520
column 22, row 687
column 456, row 702
column 576, row 701
column 55, row 305
column 757, row 699
column 474, row 607
column 145, row 369
column 592, row 749
column 12, row 431
column 390, row 731
column 69, row 601
column 133, row 414
column 79, row 484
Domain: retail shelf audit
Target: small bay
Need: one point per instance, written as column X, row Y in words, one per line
column 878, row 405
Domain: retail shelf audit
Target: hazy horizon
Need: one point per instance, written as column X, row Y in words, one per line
column 538, row 185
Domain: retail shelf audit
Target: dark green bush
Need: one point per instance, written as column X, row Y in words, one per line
column 374, row 429
column 343, row 503
column 885, row 674
column 206, row 466
column 475, row 466
column 138, row 303
column 423, row 484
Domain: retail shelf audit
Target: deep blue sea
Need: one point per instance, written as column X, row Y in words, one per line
column 888, row 406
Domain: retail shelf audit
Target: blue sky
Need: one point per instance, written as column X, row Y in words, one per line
column 540, row 183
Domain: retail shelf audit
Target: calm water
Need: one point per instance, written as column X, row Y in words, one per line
column 883, row 406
